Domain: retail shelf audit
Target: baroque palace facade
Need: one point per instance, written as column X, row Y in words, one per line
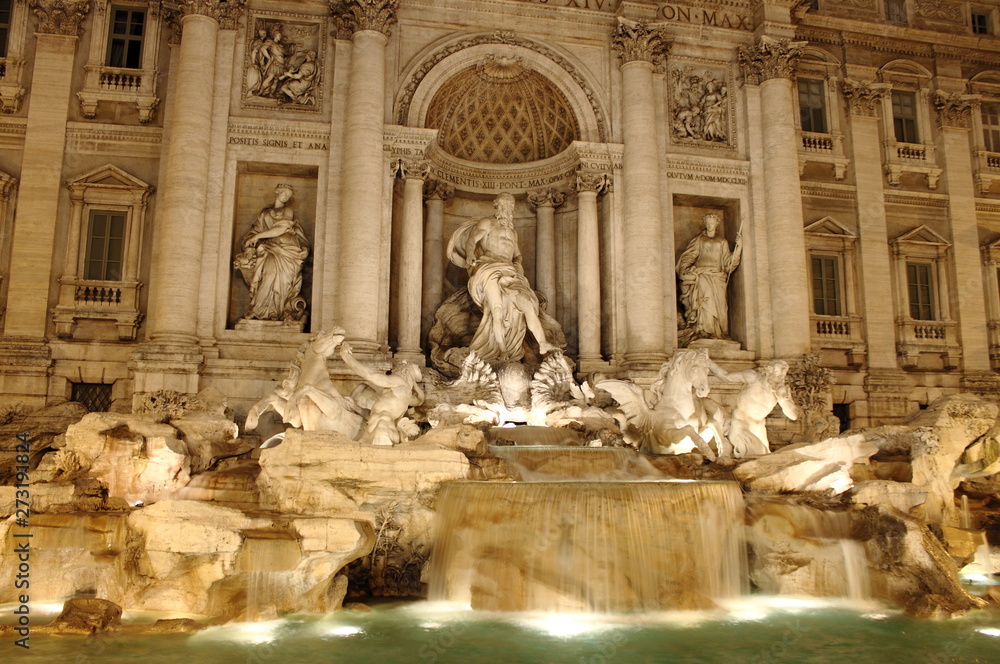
column 850, row 147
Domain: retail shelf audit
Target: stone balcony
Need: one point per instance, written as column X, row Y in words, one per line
column 116, row 84
column 987, row 169
column 839, row 333
column 11, row 91
column 85, row 299
column 911, row 158
column 919, row 342
column 820, row 148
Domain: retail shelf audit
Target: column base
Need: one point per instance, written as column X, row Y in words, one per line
column 589, row 364
column 170, row 367
column 415, row 357
column 889, row 399
column 24, row 374
column 984, row 383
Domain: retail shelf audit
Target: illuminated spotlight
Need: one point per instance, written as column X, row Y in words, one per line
column 344, row 630
column 567, row 625
column 989, row 631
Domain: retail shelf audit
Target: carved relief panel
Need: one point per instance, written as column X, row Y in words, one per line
column 283, row 62
column 701, row 109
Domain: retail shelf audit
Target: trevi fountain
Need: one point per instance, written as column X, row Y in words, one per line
column 495, row 505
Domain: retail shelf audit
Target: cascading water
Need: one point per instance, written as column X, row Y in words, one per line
column 575, row 544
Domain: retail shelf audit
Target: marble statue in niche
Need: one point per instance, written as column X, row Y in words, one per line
column 704, row 269
column 488, row 249
column 274, row 250
column 699, row 106
column 282, row 65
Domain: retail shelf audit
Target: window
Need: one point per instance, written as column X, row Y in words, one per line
column 826, row 286
column 904, row 116
column 812, row 105
column 105, row 245
column 980, row 23
column 895, row 11
column 991, row 126
column 125, row 37
column 5, row 20
column 921, row 290
column 95, row 397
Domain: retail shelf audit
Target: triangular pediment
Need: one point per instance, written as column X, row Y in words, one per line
column 109, row 176
column 923, row 235
column 829, row 226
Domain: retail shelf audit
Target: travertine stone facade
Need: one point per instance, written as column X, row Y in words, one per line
column 855, row 153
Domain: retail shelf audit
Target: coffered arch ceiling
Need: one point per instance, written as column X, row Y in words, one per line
column 501, row 111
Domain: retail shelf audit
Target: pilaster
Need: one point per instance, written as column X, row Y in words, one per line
column 362, row 218
column 968, row 293
column 640, row 46
column 770, row 64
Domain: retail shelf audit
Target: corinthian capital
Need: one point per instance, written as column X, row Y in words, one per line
column 438, row 189
column 953, row 109
column 411, row 169
column 546, row 198
column 863, row 98
column 592, row 181
column 771, row 58
column 226, row 12
column 357, row 15
column 639, row 40
column 59, row 17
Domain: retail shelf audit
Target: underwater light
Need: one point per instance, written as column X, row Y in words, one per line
column 257, row 633
column 989, row 631
column 344, row 630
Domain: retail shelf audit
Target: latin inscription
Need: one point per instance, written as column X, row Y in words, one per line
column 664, row 12
column 267, row 142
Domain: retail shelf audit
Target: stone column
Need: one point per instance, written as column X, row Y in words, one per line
column 588, row 266
column 436, row 192
column 771, row 65
column 175, row 275
column 545, row 202
column 408, row 305
column 886, row 386
column 33, row 240
column 640, row 46
column 26, row 358
column 966, row 279
column 361, row 214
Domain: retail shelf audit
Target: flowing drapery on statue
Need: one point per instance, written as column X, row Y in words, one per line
column 488, row 249
column 274, row 250
column 704, row 270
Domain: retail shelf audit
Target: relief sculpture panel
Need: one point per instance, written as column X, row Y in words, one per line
column 283, row 63
column 700, row 110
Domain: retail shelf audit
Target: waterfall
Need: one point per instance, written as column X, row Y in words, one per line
column 541, row 463
column 588, row 546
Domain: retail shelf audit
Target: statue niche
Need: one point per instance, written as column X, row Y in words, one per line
column 495, row 313
column 704, row 269
column 271, row 260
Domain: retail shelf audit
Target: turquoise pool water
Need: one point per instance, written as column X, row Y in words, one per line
column 758, row 631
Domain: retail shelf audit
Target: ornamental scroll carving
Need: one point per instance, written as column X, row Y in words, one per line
column 953, row 109
column 226, row 12
column 357, row 15
column 771, row 58
column 59, row 17
column 640, row 40
column 863, row 98
column 940, row 9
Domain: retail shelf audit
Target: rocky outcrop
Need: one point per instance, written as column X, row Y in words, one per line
column 821, row 467
column 88, row 616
